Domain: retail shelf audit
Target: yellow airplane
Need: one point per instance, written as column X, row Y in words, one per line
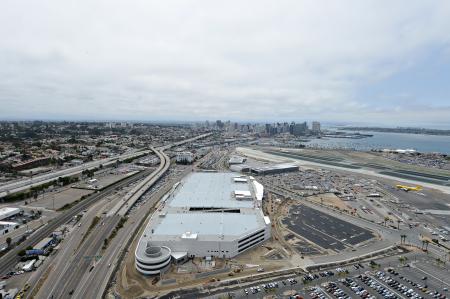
column 408, row 188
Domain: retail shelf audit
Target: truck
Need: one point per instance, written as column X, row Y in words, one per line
column 29, row 266
column 35, row 252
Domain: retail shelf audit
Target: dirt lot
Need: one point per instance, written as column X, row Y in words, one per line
column 284, row 250
column 131, row 284
column 271, row 255
column 330, row 199
column 60, row 198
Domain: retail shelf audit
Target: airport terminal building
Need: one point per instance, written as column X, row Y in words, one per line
column 207, row 214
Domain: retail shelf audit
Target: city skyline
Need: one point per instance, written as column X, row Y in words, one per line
column 352, row 62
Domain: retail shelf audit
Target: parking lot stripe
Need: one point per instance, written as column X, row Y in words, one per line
column 324, row 292
column 431, row 275
column 345, row 245
column 387, row 287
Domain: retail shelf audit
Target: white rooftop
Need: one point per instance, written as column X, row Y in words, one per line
column 213, row 190
column 7, row 210
column 201, row 224
column 209, row 206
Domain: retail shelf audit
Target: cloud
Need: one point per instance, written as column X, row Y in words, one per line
column 243, row 60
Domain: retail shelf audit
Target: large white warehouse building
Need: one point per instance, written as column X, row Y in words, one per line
column 207, row 214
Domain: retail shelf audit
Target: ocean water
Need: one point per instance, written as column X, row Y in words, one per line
column 380, row 140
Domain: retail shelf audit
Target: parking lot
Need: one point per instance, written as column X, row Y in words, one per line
column 303, row 247
column 355, row 281
column 324, row 230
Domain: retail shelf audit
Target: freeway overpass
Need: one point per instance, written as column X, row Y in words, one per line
column 27, row 183
column 76, row 266
column 10, row 259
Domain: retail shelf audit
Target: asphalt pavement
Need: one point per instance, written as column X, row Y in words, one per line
column 73, row 278
column 44, row 178
column 325, row 230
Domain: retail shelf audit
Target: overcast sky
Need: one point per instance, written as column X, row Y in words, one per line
column 374, row 62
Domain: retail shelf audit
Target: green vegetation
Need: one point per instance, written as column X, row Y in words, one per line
column 374, row 265
column 129, row 160
column 72, row 204
column 402, row 259
column 89, row 172
column 114, row 232
column 91, row 227
column 33, row 191
column 439, row 262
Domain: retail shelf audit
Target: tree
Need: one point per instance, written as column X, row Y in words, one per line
column 403, row 259
column 439, row 261
column 402, row 239
column 426, row 244
column 386, row 219
column 8, row 241
column 373, row 264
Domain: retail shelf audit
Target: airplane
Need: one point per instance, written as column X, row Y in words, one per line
column 408, row 188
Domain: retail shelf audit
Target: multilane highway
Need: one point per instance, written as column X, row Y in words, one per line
column 65, row 284
column 94, row 284
column 25, row 184
column 9, row 260
column 75, row 269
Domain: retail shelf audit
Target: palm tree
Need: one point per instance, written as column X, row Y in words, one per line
column 402, row 239
column 439, row 261
column 426, row 243
column 386, row 219
column 373, row 264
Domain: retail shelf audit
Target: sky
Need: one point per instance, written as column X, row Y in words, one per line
column 375, row 62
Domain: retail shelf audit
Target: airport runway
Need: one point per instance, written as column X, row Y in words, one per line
column 257, row 154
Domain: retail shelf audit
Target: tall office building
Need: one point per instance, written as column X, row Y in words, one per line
column 300, row 129
column 315, row 127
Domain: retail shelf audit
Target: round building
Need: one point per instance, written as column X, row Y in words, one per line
column 153, row 259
